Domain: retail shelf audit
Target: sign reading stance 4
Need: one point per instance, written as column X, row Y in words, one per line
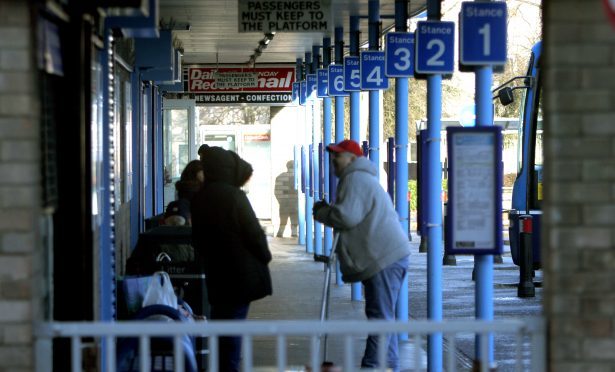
column 336, row 81
column 372, row 70
column 435, row 52
column 399, row 52
column 482, row 28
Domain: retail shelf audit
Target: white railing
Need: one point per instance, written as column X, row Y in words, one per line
column 105, row 333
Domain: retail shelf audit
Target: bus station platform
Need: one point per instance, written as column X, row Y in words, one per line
column 297, row 290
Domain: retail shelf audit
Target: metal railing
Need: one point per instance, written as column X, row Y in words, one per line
column 106, row 333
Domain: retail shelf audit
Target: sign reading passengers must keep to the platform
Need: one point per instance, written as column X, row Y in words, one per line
column 284, row 15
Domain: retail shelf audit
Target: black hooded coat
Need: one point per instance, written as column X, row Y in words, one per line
column 226, row 234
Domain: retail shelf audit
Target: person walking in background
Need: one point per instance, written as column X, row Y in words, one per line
column 230, row 244
column 373, row 247
column 286, row 195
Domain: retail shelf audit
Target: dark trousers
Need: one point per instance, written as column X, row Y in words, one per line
column 229, row 348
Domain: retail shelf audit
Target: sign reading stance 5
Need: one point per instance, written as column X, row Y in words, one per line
column 482, row 27
column 435, row 51
column 399, row 49
column 352, row 75
column 336, row 81
column 372, row 70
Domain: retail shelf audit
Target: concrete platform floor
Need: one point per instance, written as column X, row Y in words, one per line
column 297, row 287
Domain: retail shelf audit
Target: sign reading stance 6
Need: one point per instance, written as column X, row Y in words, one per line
column 483, row 33
column 372, row 71
column 435, row 50
column 336, row 81
column 399, row 50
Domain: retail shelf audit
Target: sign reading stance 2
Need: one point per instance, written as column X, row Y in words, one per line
column 474, row 208
column 399, row 49
column 372, row 71
column 435, row 49
column 482, row 28
column 336, row 81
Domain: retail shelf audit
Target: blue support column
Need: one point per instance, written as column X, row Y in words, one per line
column 401, row 159
column 434, row 218
column 374, row 95
column 339, row 127
column 300, row 157
column 316, row 163
column 355, row 101
column 303, row 233
column 309, row 196
column 326, row 140
column 484, row 263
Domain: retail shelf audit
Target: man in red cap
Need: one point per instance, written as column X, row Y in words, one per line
column 372, row 248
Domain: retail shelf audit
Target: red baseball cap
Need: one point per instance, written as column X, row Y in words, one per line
column 346, row 146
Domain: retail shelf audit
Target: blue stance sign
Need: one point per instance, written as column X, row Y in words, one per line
column 336, row 81
column 435, row 47
column 372, row 70
column 311, row 86
column 482, row 28
column 322, row 83
column 296, row 93
column 352, row 74
column 302, row 92
column 399, row 54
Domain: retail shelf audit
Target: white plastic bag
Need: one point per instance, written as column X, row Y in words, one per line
column 160, row 291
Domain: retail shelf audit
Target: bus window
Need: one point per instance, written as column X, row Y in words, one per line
column 538, row 154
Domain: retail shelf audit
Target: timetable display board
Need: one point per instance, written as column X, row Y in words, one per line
column 474, row 208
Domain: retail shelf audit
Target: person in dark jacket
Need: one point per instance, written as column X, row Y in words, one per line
column 190, row 181
column 230, row 244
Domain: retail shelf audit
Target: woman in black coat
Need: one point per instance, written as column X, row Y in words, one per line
column 230, row 244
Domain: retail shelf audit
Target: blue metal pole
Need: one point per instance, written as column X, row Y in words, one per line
column 355, row 101
column 339, row 126
column 315, row 141
column 401, row 159
column 339, row 101
column 354, row 96
column 309, row 196
column 434, row 218
column 326, row 124
column 374, row 95
column 300, row 156
column 391, row 168
column 302, row 224
column 484, row 263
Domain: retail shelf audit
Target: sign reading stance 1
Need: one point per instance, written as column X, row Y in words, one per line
column 475, row 190
column 435, row 51
column 322, row 83
column 336, row 81
column 352, row 74
column 284, row 15
column 482, row 28
column 399, row 51
column 372, row 70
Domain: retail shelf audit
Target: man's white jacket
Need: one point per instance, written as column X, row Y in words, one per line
column 371, row 237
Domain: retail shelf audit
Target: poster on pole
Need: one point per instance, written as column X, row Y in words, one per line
column 474, row 209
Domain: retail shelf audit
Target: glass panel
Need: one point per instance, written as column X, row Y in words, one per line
column 176, row 149
column 257, row 151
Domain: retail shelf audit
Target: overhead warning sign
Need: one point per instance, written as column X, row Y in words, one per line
column 234, row 80
column 284, row 15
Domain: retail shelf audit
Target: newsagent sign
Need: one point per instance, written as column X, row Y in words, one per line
column 269, row 79
column 284, row 15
